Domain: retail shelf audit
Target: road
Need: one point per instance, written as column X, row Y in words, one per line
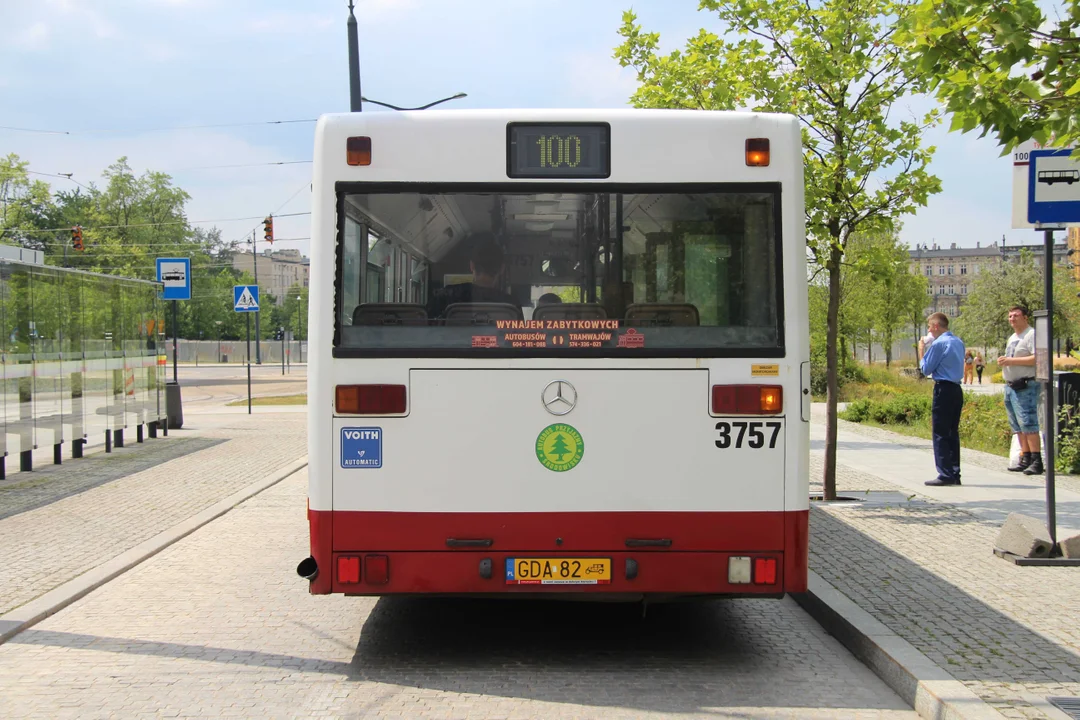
column 219, row 625
column 207, row 388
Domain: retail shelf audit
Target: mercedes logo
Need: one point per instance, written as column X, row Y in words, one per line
column 559, row 397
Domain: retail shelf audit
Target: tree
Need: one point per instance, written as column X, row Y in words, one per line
column 983, row 321
column 23, row 203
column 1000, row 66
column 892, row 294
column 835, row 65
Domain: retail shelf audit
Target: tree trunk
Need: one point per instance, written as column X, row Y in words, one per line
column 829, row 480
column 887, row 343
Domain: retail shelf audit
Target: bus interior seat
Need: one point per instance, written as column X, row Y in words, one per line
column 389, row 314
column 662, row 314
column 570, row 311
column 481, row 313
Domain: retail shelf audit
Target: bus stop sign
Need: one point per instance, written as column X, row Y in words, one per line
column 1054, row 187
column 174, row 274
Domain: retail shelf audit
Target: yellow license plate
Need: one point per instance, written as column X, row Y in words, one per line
column 558, row 571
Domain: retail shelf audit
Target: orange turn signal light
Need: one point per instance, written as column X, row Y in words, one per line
column 358, row 150
column 771, row 399
column 757, row 152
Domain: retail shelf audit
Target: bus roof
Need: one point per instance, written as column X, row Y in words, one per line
column 471, row 146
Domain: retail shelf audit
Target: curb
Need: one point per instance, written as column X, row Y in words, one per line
column 33, row 612
column 922, row 684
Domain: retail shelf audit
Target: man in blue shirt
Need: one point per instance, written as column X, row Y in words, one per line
column 943, row 360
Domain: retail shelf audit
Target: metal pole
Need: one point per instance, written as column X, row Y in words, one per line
column 282, row 351
column 249, row 360
column 255, row 262
column 355, row 104
column 1049, row 400
column 175, row 327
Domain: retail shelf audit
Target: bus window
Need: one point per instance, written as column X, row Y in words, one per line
column 630, row 272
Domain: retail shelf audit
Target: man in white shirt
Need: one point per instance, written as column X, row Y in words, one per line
column 1021, row 391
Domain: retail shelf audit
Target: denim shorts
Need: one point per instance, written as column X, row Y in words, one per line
column 1022, row 407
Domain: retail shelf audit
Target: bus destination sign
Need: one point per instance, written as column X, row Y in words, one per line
column 569, row 150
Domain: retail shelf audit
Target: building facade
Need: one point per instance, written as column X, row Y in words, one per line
column 279, row 270
column 950, row 271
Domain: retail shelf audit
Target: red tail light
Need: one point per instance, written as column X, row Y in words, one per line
column 747, row 399
column 369, row 399
column 764, row 571
column 377, row 569
column 348, row 569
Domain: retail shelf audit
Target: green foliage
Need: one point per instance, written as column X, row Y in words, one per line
column 1067, row 450
column 983, row 422
column 900, row 409
column 834, row 65
column 127, row 223
column 849, row 373
column 1000, row 66
column 879, row 293
column 984, row 321
column 23, row 203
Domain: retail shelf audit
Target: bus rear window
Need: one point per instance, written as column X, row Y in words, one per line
column 566, row 273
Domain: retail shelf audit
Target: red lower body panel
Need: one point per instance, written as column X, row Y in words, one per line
column 675, row 553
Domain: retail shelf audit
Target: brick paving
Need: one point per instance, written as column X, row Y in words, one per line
column 218, row 625
column 926, row 570
column 57, row 523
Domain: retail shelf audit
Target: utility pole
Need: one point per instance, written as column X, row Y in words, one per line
column 255, row 262
column 355, row 104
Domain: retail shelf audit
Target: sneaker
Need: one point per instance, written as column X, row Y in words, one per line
column 1036, row 468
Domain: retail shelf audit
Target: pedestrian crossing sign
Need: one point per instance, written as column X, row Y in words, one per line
column 246, row 298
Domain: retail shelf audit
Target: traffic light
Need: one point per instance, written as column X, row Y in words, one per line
column 268, row 229
column 76, row 238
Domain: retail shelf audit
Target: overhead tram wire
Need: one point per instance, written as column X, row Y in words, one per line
column 164, row 222
column 152, row 130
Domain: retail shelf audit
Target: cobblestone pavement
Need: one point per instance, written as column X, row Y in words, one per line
column 925, row 569
column 59, row 522
column 218, row 625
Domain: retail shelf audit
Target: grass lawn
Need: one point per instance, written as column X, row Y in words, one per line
column 273, row 400
column 921, row 429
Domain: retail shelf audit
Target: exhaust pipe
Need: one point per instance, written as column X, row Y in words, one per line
column 308, row 569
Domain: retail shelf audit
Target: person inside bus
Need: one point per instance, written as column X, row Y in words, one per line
column 487, row 264
column 549, row 299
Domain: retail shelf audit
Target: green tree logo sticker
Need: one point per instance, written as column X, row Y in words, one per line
column 559, row 447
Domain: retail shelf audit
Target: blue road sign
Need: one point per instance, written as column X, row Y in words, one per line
column 246, row 298
column 1053, row 187
column 175, row 275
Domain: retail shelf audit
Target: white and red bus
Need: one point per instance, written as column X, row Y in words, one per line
column 558, row 352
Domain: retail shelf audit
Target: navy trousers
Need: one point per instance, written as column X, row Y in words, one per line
column 945, row 426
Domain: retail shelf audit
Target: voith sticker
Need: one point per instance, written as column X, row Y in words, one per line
column 361, row 447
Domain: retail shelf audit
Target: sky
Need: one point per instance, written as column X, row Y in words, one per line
column 130, row 78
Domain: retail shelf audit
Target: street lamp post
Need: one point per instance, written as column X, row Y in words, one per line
column 354, row 64
column 300, row 328
column 218, row 323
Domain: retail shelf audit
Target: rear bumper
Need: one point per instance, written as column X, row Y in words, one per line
column 695, row 563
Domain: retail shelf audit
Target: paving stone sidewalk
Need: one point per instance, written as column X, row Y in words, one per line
column 925, row 569
column 60, row 522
